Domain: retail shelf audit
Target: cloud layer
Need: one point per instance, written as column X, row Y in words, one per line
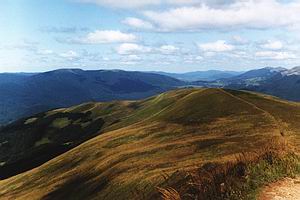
column 146, row 3
column 253, row 14
column 218, row 46
column 107, row 36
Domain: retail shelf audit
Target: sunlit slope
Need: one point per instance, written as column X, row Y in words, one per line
column 178, row 130
column 286, row 114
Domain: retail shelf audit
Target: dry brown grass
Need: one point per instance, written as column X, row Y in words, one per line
column 118, row 162
column 237, row 179
column 169, row 193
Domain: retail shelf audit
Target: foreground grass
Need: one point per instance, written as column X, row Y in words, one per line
column 237, row 180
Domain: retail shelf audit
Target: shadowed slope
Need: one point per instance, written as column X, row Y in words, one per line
column 30, row 142
column 182, row 129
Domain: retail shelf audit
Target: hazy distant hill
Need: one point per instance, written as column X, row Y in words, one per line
column 280, row 82
column 210, row 75
column 25, row 94
column 285, row 84
column 253, row 77
column 136, row 144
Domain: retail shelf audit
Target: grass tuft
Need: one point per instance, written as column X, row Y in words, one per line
column 239, row 179
column 169, row 193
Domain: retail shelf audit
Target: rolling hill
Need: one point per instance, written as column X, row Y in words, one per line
column 26, row 94
column 137, row 143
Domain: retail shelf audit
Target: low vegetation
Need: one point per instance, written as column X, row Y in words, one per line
column 234, row 180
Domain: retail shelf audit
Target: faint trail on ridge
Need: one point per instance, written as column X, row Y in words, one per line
column 287, row 189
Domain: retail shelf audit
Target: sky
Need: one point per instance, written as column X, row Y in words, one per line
column 149, row 35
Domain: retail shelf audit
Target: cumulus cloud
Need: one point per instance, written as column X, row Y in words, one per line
column 122, row 3
column 253, row 14
column 137, row 23
column 272, row 45
column 145, row 3
column 192, row 59
column 70, row 55
column 238, row 40
column 107, row 36
column 274, row 55
column 133, row 58
column 168, row 49
column 24, row 45
column 132, row 48
column 45, row 52
column 62, row 29
column 218, row 46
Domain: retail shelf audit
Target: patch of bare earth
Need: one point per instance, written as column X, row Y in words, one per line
column 287, row 189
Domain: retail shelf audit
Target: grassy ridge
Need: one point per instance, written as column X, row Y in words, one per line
column 179, row 130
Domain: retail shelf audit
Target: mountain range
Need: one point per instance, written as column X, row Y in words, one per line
column 280, row 82
column 210, row 75
column 24, row 94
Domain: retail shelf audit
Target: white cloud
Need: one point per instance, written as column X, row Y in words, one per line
column 274, row 55
column 237, row 39
column 131, row 48
column 192, row 59
column 240, row 54
column 198, row 58
column 145, row 3
column 122, row 3
column 168, row 49
column 105, row 58
column 23, row 45
column 70, row 55
column 253, row 14
column 44, row 52
column 107, row 36
column 137, row 23
column 272, row 45
column 218, row 46
column 133, row 58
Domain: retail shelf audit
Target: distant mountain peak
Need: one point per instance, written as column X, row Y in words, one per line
column 272, row 69
column 294, row 71
column 277, row 69
column 72, row 70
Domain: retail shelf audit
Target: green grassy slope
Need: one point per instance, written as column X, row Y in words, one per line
column 144, row 141
column 30, row 142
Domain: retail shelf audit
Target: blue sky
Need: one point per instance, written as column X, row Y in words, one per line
column 148, row 35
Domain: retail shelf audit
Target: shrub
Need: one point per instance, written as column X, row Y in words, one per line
column 239, row 179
